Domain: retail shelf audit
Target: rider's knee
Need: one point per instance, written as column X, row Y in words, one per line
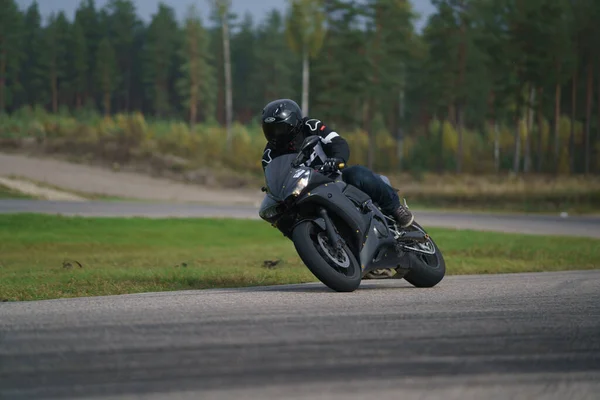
column 356, row 175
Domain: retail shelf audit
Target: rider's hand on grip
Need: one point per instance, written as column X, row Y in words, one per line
column 332, row 164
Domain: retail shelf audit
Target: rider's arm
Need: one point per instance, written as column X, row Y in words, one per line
column 334, row 145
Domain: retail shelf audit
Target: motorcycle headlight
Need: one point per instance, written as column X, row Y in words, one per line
column 270, row 212
column 300, row 186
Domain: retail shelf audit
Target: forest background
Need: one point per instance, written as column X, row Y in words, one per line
column 487, row 87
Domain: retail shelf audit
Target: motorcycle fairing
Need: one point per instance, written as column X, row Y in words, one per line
column 372, row 241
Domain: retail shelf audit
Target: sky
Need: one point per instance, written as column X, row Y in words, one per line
column 145, row 8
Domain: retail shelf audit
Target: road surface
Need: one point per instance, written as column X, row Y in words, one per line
column 520, row 336
column 534, row 224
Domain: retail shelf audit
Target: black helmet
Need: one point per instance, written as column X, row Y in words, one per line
column 281, row 121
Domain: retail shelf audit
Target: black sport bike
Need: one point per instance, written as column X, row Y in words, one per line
column 338, row 231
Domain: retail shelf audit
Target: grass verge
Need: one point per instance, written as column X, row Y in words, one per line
column 39, row 255
column 502, row 193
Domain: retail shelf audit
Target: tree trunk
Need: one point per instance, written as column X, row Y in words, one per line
column 517, row 155
column 220, row 110
column 371, row 134
column 400, row 134
column 305, row 80
column 572, row 131
column 493, row 124
column 128, row 80
column 193, row 106
column 228, row 88
column 193, row 55
column 193, row 92
column 441, row 141
column 540, row 117
column 157, row 98
column 462, row 64
column 54, row 84
column 588, row 114
column 497, row 146
column 598, row 115
column 452, row 114
column 2, row 80
column 459, row 152
column 527, row 162
column 557, row 128
column 106, row 103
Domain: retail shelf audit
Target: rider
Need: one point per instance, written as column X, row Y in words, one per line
column 285, row 129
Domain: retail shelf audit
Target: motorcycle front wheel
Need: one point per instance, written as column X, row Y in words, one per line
column 338, row 268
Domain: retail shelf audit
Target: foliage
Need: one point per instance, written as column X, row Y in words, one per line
column 196, row 84
column 123, row 137
column 474, row 66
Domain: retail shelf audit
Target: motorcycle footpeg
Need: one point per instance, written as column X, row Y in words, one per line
column 415, row 236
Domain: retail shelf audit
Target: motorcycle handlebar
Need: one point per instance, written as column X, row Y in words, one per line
column 340, row 167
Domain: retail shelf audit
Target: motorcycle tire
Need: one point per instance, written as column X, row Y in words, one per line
column 305, row 239
column 423, row 274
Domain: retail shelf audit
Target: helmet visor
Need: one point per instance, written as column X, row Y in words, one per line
column 278, row 133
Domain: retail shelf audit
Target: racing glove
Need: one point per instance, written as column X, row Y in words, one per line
column 332, row 165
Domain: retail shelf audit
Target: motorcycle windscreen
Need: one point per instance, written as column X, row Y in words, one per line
column 278, row 174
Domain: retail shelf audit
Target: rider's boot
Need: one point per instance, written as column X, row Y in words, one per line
column 403, row 217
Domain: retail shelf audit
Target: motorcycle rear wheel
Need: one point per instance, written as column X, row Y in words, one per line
column 426, row 270
column 338, row 270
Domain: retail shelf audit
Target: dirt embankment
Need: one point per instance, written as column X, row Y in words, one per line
column 96, row 181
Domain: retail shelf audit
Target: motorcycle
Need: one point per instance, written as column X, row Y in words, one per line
column 340, row 234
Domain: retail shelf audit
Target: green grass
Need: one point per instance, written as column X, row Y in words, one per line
column 141, row 255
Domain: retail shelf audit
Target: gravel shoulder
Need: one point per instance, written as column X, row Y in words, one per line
column 94, row 180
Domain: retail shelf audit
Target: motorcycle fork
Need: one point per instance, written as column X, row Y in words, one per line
column 334, row 238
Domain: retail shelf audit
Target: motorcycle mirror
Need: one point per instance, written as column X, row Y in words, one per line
column 300, row 158
column 309, row 143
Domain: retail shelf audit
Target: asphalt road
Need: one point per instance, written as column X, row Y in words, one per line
column 533, row 224
column 521, row 336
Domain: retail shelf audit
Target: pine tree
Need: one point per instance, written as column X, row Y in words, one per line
column 11, row 31
column 391, row 50
column 439, row 68
column 243, row 64
column 79, row 65
column 221, row 12
column 196, row 85
column 159, row 52
column 88, row 18
column 587, row 13
column 272, row 77
column 305, row 33
column 105, row 73
column 55, row 55
column 123, row 23
column 32, row 74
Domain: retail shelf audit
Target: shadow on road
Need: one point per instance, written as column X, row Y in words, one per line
column 369, row 284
